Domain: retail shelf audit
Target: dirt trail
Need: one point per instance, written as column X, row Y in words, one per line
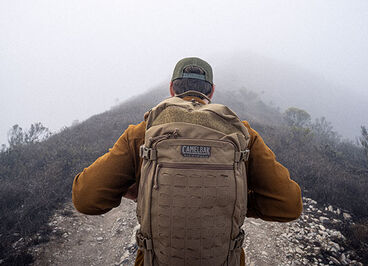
column 108, row 239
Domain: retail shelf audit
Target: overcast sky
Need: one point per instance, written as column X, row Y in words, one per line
column 67, row 60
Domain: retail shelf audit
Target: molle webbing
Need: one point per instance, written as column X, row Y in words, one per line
column 192, row 217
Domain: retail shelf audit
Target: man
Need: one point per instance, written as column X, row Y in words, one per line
column 272, row 195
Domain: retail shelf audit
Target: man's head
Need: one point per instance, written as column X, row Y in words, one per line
column 192, row 73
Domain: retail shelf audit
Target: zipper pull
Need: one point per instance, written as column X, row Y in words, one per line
column 175, row 134
column 155, row 180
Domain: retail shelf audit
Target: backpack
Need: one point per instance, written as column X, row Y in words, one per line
column 192, row 197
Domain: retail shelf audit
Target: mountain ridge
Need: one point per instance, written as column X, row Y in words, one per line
column 37, row 178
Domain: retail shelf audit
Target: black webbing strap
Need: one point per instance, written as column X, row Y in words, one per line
column 147, row 153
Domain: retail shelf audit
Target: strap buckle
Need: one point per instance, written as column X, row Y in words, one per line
column 244, row 155
column 147, row 153
column 142, row 241
column 238, row 241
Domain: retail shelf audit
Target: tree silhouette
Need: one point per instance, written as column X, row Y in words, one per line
column 36, row 133
column 364, row 140
column 297, row 117
column 15, row 136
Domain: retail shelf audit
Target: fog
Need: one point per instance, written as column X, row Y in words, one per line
column 62, row 61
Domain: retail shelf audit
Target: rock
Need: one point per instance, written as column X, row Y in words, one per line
column 299, row 250
column 323, row 219
column 334, row 261
column 99, row 238
column 330, row 208
column 256, row 224
column 346, row 216
column 18, row 242
column 264, row 253
column 65, row 235
column 338, row 211
column 343, row 259
column 322, row 227
column 335, row 246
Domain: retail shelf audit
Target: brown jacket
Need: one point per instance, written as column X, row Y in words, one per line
column 273, row 196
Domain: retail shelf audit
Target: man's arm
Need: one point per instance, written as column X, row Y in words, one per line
column 273, row 196
column 100, row 186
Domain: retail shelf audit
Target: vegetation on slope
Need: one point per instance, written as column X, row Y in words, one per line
column 36, row 178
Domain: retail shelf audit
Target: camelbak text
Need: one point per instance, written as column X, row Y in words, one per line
column 196, row 151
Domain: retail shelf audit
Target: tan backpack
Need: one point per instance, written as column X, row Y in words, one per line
column 192, row 197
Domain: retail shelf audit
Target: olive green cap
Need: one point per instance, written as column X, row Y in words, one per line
column 193, row 61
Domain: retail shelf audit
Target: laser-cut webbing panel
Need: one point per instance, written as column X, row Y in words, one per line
column 192, row 215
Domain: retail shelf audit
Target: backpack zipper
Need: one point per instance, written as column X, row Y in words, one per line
column 198, row 166
column 157, row 139
column 155, row 180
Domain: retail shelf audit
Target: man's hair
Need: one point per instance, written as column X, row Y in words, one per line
column 185, row 84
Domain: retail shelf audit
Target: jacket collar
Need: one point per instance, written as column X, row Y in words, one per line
column 197, row 99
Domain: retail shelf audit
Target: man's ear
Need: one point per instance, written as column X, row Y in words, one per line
column 172, row 93
column 213, row 90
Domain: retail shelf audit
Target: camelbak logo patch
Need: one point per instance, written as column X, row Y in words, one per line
column 196, row 151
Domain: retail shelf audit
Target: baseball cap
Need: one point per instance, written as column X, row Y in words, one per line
column 193, row 61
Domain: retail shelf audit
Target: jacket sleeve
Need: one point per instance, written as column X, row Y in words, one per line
column 272, row 195
column 100, row 186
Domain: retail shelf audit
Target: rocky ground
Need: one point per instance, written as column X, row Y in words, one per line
column 314, row 239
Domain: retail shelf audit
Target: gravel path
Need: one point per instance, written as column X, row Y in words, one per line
column 108, row 239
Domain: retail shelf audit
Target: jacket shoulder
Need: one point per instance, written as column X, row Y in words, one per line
column 136, row 131
column 252, row 133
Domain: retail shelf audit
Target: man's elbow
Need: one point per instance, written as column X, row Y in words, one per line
column 293, row 204
column 287, row 207
column 83, row 200
column 78, row 205
column 86, row 207
column 79, row 201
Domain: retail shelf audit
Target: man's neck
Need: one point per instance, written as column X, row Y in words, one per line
column 190, row 98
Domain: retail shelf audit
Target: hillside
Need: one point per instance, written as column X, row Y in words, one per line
column 36, row 178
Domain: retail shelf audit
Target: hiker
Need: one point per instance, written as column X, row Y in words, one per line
column 200, row 171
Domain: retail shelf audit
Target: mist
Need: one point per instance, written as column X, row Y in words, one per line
column 62, row 61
